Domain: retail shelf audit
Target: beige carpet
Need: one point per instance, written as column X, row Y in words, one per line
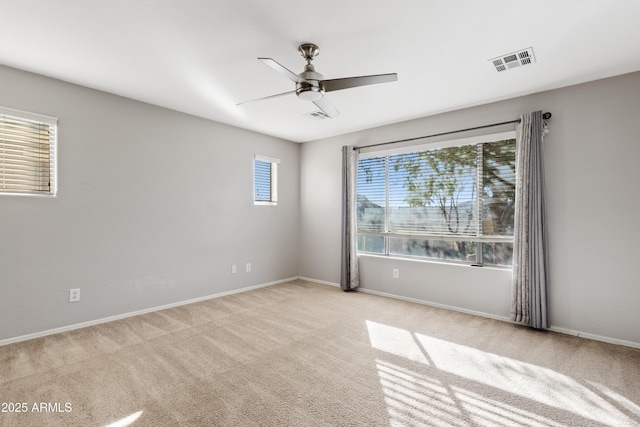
column 303, row 354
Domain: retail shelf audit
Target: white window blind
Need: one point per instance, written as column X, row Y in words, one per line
column 451, row 202
column 265, row 170
column 27, row 153
column 433, row 192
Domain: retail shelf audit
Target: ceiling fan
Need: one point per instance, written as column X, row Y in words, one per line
column 311, row 86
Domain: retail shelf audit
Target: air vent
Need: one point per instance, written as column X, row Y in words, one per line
column 513, row 60
column 317, row 115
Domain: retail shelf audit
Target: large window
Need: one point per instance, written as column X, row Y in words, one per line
column 27, row 153
column 265, row 180
column 452, row 203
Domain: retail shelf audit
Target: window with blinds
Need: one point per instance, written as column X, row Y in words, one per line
column 27, row 153
column 449, row 203
column 265, row 180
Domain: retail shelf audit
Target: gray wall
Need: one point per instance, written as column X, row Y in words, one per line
column 153, row 208
column 593, row 203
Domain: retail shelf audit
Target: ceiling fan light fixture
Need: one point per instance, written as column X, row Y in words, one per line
column 310, row 93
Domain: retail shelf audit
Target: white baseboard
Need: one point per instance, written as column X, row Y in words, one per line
column 322, row 282
column 432, row 304
column 399, row 297
column 595, row 337
column 136, row 313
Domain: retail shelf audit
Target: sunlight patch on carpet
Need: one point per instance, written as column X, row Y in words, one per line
column 414, row 397
column 395, row 341
column 453, row 384
column 126, row 421
column 538, row 384
column 617, row 399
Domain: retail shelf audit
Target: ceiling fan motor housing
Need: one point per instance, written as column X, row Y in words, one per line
column 310, row 89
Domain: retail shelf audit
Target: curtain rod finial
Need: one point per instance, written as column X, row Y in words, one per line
column 546, row 116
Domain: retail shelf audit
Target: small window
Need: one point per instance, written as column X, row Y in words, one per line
column 265, row 180
column 27, row 153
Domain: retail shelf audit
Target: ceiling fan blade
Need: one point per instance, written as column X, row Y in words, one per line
column 349, row 82
column 268, row 97
column 282, row 70
column 327, row 107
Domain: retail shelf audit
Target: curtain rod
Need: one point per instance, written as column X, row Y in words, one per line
column 545, row 116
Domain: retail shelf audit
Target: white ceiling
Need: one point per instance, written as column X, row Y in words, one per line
column 199, row 56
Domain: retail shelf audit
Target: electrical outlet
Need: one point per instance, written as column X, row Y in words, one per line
column 396, row 273
column 248, row 267
column 234, row 270
column 74, row 295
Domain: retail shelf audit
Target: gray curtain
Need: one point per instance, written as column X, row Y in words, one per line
column 530, row 260
column 349, row 277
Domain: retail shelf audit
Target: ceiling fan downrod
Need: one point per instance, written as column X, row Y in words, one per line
column 310, row 88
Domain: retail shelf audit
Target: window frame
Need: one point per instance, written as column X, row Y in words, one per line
column 273, row 180
column 39, row 119
column 479, row 239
